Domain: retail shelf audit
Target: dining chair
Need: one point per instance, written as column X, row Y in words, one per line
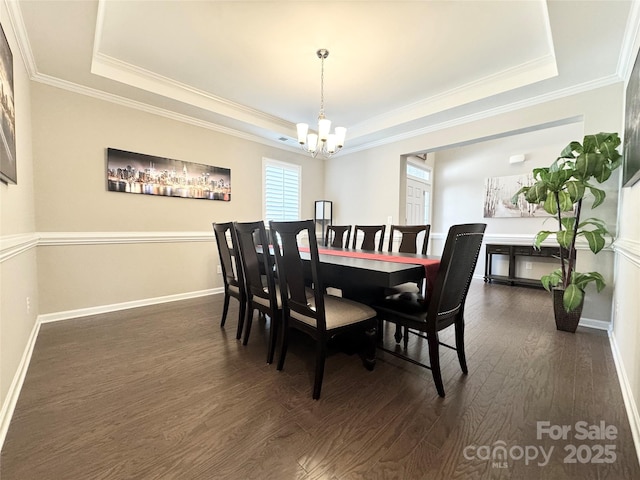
column 320, row 316
column 445, row 307
column 369, row 233
column 262, row 293
column 413, row 239
column 232, row 273
column 337, row 236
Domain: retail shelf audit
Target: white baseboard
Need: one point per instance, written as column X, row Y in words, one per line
column 83, row 312
column 10, row 401
column 627, row 394
column 596, row 324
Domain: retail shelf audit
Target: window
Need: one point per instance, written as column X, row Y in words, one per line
column 419, row 172
column 281, row 187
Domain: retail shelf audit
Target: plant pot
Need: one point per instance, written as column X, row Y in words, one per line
column 565, row 321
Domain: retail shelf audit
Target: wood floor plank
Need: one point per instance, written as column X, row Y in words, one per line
column 163, row 392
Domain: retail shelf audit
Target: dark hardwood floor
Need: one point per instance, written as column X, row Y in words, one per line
column 163, row 392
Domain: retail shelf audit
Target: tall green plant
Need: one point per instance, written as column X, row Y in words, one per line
column 560, row 189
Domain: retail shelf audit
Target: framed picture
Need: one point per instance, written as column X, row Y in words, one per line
column 498, row 192
column 8, row 171
column 130, row 172
column 631, row 150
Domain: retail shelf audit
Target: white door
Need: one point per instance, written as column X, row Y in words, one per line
column 418, row 200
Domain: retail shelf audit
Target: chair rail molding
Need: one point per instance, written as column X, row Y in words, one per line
column 12, row 245
column 518, row 239
column 630, row 249
column 98, row 238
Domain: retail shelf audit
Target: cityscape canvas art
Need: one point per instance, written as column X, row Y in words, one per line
column 8, row 170
column 130, row 172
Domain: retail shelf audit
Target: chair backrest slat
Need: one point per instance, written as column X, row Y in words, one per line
column 258, row 268
column 338, row 236
column 232, row 273
column 409, row 238
column 369, row 239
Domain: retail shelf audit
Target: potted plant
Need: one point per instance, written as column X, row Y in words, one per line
column 560, row 190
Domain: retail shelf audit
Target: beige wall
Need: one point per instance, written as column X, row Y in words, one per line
column 71, row 133
column 626, row 302
column 18, row 272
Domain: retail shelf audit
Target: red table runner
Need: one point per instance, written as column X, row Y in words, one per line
column 431, row 265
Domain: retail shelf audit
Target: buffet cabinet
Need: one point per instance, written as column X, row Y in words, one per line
column 512, row 252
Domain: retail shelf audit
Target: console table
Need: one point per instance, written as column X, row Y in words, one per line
column 513, row 251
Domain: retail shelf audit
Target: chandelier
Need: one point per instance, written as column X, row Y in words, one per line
column 323, row 142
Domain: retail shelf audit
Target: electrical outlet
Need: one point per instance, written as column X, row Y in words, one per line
column 219, row 269
column 28, row 304
column 528, row 265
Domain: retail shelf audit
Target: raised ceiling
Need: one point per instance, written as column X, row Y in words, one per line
column 395, row 68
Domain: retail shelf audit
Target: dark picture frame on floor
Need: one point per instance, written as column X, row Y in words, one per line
column 631, row 150
column 130, row 172
column 8, row 170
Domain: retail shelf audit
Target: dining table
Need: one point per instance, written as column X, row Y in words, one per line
column 365, row 275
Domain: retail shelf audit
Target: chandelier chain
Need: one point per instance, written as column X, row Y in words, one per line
column 322, row 87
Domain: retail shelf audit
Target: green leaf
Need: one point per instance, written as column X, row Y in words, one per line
column 514, row 199
column 552, row 279
column 598, row 194
column 540, row 237
column 536, row 193
column 597, row 223
column 587, row 163
column 566, row 204
column 575, row 189
column 572, row 297
column 568, row 223
column 595, row 239
column 550, row 205
column 602, row 172
column 581, row 280
column 565, row 237
column 567, row 152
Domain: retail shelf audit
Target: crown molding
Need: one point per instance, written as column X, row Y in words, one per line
column 114, row 69
column 521, row 75
column 179, row 117
column 492, row 112
column 630, row 42
column 20, row 32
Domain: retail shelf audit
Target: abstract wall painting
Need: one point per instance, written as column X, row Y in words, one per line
column 498, row 192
